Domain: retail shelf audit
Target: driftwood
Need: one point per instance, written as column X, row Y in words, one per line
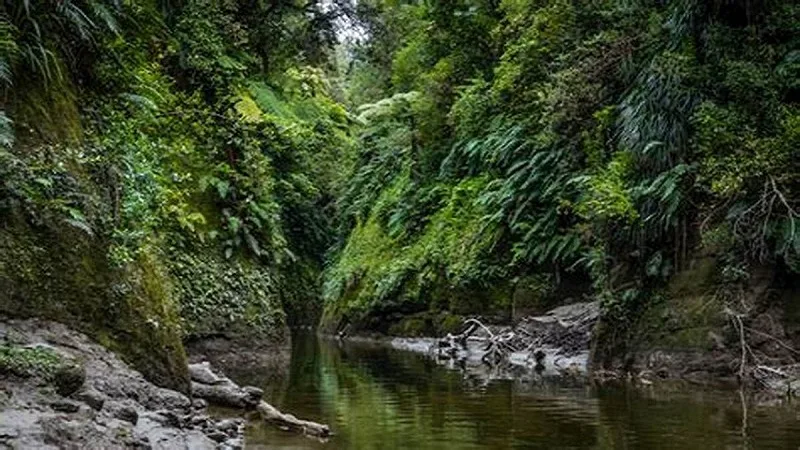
column 222, row 391
column 497, row 345
column 228, row 394
column 567, row 328
column 271, row 414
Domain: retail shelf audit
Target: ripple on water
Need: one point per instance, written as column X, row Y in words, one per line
column 381, row 398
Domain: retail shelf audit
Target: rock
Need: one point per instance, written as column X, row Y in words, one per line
column 69, row 378
column 196, row 440
column 228, row 394
column 229, row 425
column 142, row 444
column 163, row 417
column 161, row 398
column 218, row 436
column 200, row 420
column 202, row 373
column 110, row 406
column 66, row 406
column 254, row 395
column 232, row 444
column 91, row 397
column 199, row 404
column 121, row 411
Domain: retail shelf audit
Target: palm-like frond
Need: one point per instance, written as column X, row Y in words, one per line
column 36, row 34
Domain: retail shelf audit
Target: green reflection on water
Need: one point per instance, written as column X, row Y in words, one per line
column 379, row 398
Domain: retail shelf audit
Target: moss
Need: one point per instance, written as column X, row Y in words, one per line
column 151, row 320
column 382, row 273
column 532, row 294
column 69, row 378
column 410, row 326
column 683, row 314
column 28, row 361
column 451, row 323
column 49, row 110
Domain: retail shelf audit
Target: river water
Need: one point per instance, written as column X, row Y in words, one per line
column 375, row 397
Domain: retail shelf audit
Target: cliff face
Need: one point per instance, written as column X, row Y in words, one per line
column 701, row 326
column 61, row 273
column 142, row 309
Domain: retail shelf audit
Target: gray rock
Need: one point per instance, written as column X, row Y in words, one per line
column 200, row 420
column 229, row 425
column 232, row 444
column 66, row 406
column 202, row 373
column 253, row 395
column 199, row 404
column 122, row 411
column 217, row 436
column 165, row 418
column 91, row 397
column 110, row 406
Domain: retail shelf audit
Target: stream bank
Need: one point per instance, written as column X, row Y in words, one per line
column 107, row 405
column 375, row 396
column 59, row 389
column 562, row 344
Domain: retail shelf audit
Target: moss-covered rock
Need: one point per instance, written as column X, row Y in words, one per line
column 62, row 273
column 235, row 297
column 28, row 361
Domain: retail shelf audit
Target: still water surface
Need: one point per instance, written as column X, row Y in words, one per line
column 380, row 398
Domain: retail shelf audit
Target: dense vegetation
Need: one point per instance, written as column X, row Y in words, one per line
column 516, row 153
column 167, row 169
column 178, row 169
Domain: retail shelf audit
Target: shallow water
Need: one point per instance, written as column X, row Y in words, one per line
column 375, row 397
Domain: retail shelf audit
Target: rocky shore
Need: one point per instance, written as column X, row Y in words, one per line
column 60, row 390
column 558, row 345
column 555, row 344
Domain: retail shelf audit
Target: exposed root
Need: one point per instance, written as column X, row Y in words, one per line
column 752, row 366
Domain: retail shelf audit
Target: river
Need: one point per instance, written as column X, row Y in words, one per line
column 375, row 397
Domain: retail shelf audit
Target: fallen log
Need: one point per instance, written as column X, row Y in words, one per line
column 271, row 414
column 228, row 394
column 222, row 391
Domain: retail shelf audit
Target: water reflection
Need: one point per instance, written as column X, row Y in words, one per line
column 378, row 398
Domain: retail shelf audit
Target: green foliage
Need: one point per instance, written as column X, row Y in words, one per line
column 167, row 169
column 28, row 361
column 586, row 143
column 236, row 296
column 601, row 138
column 606, row 196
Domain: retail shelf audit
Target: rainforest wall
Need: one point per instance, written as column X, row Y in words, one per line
column 172, row 170
column 518, row 154
column 167, row 169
